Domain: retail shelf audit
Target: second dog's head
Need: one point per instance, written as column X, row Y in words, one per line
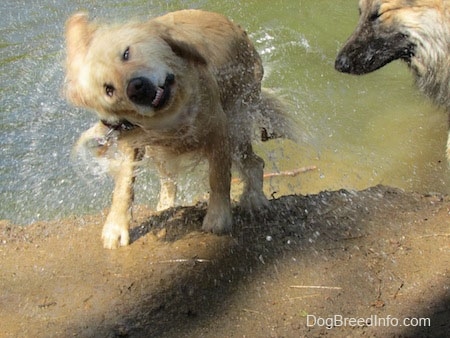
column 126, row 70
column 411, row 30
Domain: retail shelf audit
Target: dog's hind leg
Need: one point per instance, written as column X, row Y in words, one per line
column 251, row 168
column 167, row 167
column 167, row 193
column 249, row 165
column 168, row 186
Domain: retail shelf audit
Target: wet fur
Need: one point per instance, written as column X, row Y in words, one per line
column 416, row 31
column 214, row 101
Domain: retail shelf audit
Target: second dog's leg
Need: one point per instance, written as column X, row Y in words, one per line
column 116, row 229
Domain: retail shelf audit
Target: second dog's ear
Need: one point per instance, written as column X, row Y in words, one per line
column 184, row 50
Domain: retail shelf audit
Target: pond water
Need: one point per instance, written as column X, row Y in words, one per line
column 357, row 131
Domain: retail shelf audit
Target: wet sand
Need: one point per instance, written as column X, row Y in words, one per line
column 379, row 255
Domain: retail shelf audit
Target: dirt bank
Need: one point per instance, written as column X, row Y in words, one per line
column 380, row 255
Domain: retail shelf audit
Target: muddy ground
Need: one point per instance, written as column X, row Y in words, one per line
column 380, row 256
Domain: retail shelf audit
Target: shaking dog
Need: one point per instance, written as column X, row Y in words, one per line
column 188, row 82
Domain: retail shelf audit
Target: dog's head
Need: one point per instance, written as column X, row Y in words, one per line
column 387, row 30
column 124, row 70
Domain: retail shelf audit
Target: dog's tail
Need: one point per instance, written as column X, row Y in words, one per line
column 273, row 120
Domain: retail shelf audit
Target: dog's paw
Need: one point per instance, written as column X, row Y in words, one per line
column 115, row 236
column 94, row 151
column 254, row 201
column 218, row 222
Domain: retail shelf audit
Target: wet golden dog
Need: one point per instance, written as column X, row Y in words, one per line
column 185, row 82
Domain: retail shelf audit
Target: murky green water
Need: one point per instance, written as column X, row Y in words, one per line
column 358, row 131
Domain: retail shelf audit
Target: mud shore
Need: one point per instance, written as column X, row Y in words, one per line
column 379, row 255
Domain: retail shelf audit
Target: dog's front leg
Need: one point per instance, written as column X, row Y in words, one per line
column 218, row 219
column 116, row 229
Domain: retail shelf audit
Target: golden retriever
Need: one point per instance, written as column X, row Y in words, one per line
column 185, row 82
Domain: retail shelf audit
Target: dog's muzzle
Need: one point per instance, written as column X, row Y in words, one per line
column 142, row 91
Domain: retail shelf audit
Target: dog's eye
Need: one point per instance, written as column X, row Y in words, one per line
column 126, row 54
column 109, row 90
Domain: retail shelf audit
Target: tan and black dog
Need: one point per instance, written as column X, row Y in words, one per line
column 416, row 31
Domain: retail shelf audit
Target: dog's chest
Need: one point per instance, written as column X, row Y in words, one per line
column 180, row 140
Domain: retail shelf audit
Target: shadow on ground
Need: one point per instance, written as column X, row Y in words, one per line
column 308, row 266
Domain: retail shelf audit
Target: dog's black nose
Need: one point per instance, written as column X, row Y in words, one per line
column 342, row 64
column 141, row 91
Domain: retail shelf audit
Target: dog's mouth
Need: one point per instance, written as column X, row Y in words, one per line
column 142, row 91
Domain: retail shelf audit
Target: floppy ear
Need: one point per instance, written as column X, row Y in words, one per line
column 78, row 36
column 184, row 50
